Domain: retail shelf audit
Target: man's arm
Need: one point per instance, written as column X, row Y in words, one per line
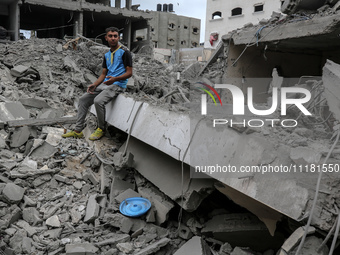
column 124, row 76
column 100, row 79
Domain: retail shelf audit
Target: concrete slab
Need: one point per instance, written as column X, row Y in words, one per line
column 331, row 79
column 81, row 248
column 20, row 136
column 44, row 151
column 13, row 193
column 161, row 204
column 192, row 247
column 18, row 70
column 242, row 229
column 124, row 195
column 92, row 209
column 171, row 136
column 12, row 111
column 34, row 102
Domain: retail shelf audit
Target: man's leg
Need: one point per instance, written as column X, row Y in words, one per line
column 85, row 101
column 100, row 102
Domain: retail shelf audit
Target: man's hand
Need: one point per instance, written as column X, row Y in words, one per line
column 110, row 81
column 91, row 88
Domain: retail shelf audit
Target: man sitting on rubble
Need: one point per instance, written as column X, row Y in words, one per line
column 117, row 68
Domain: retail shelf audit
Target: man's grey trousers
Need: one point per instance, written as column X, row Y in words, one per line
column 102, row 95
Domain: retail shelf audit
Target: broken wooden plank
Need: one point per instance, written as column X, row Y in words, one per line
column 40, row 122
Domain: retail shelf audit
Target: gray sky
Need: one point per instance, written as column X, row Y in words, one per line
column 189, row 8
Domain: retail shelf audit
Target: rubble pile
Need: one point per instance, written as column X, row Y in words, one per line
column 58, row 196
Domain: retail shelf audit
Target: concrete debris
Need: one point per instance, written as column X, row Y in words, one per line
column 331, row 79
column 57, row 197
column 304, row 156
column 195, row 246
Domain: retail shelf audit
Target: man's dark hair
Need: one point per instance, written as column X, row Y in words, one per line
column 112, row 29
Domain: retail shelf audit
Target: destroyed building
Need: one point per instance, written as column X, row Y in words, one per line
column 62, row 197
column 163, row 29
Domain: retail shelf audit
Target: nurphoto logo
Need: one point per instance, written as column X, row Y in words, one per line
column 239, row 104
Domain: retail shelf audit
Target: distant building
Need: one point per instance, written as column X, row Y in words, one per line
column 88, row 18
column 224, row 16
column 171, row 31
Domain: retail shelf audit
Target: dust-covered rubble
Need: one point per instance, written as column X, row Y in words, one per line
column 58, row 196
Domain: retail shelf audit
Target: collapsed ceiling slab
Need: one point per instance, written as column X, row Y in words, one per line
column 315, row 33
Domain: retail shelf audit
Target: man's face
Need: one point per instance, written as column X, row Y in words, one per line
column 112, row 38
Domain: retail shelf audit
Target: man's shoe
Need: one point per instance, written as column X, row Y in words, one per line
column 73, row 134
column 96, row 135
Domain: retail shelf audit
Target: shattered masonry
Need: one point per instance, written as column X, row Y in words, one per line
column 62, row 197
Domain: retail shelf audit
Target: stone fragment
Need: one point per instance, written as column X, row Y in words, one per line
column 44, row 151
column 304, row 156
column 34, row 102
column 20, row 136
column 118, row 186
column 92, row 209
column 81, row 249
column 151, row 249
column 12, row 111
column 78, row 185
column 295, row 238
column 89, row 175
column 18, row 70
column 13, row 193
column 31, row 215
column 125, row 247
column 126, row 194
column 331, row 79
column 26, row 245
column 241, row 251
column 117, row 238
column 53, row 221
column 161, row 204
column 194, row 246
column 184, row 232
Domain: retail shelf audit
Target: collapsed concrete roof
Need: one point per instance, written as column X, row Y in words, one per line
column 320, row 33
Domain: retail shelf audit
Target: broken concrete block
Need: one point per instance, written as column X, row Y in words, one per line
column 24, row 225
column 125, row 247
column 124, row 224
column 92, row 209
column 89, row 175
column 192, row 70
column 53, row 221
column 78, row 185
column 126, row 194
column 20, row 136
column 61, row 178
column 44, row 151
column 295, row 238
column 121, row 161
column 34, row 102
column 161, row 204
column 184, row 232
column 311, row 246
column 117, row 238
column 194, row 246
column 31, row 215
column 19, row 70
column 304, row 155
column 151, row 249
column 150, row 216
column 13, row 193
column 235, row 228
column 53, row 135
column 331, row 81
column 16, row 241
column 240, row 251
column 118, row 186
column 81, row 248
column 13, row 111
